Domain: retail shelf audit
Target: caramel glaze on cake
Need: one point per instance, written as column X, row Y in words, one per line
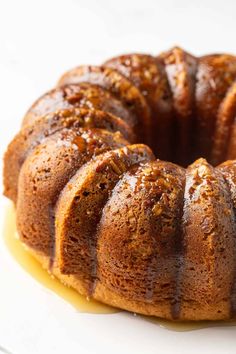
column 108, row 218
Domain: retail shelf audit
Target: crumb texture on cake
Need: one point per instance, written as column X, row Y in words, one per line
column 124, row 182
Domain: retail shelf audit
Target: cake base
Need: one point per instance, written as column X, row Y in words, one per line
column 107, row 296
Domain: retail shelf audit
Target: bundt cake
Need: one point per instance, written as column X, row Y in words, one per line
column 111, row 218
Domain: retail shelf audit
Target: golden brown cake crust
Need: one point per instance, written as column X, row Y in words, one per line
column 216, row 73
column 114, row 82
column 224, row 123
column 33, row 134
column 181, row 68
column 108, row 218
column 83, row 95
column 148, row 74
column 86, row 195
column 209, row 239
column 140, row 262
column 46, row 171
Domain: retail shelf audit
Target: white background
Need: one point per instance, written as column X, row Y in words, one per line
column 38, row 41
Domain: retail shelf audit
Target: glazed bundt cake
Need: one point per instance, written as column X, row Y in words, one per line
column 108, row 216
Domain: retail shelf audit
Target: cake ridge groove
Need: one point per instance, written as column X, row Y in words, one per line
column 232, row 206
column 226, row 114
column 229, row 177
column 179, row 251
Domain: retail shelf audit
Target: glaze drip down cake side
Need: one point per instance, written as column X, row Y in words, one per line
column 99, row 207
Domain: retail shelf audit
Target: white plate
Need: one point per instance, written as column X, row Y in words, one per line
column 38, row 41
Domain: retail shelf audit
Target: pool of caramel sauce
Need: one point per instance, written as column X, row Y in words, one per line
column 34, row 268
column 79, row 302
